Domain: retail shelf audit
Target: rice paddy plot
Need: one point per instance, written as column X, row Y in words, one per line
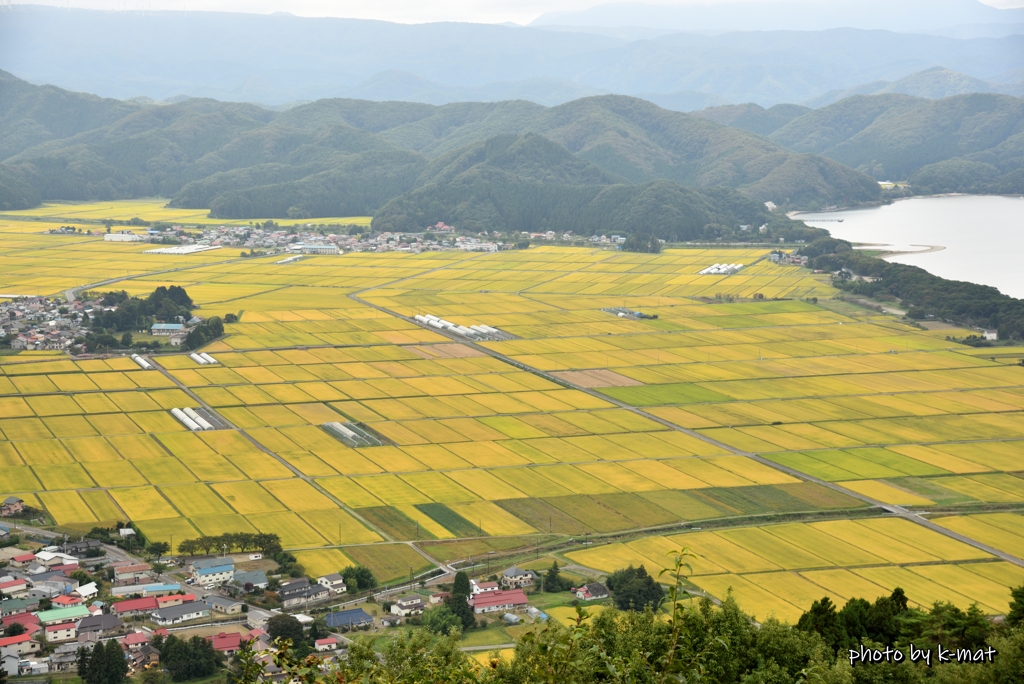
column 322, row 562
column 389, row 562
column 143, row 503
column 215, row 525
column 67, row 507
column 294, row 532
column 492, row 519
column 339, row 527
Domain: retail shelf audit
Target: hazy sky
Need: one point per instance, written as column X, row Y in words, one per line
column 404, row 11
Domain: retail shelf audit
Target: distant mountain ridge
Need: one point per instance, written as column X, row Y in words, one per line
column 966, row 143
column 935, row 84
column 905, row 16
column 276, row 59
column 353, row 157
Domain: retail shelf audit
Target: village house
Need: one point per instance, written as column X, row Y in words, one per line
column 66, row 631
column 328, row 644
column 100, row 625
column 305, row 595
column 27, row 620
column 17, row 606
column 10, row 506
column 482, row 587
column 135, row 607
column 23, row 560
column 183, row 613
column 514, row 578
column 595, row 591
column 144, row 657
column 492, row 601
column 227, row 606
column 59, row 616
column 256, row 578
column 407, row 605
column 334, row 582
column 63, row 658
column 213, row 571
column 134, row 641
column 81, row 549
column 137, row 573
column 348, row 619
column 21, row 644
column 228, row 643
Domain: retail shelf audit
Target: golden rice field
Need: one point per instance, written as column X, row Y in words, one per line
column 780, row 569
column 581, row 422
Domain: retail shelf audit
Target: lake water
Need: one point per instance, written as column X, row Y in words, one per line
column 983, row 236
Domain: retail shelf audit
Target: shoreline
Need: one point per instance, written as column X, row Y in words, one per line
column 894, row 253
column 796, row 214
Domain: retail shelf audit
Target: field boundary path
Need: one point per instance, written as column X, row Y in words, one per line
column 72, row 293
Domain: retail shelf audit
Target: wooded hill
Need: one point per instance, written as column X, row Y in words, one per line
column 968, row 143
column 352, row 157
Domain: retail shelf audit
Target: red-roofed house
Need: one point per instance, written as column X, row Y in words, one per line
column 65, row 601
column 14, row 588
column 174, row 600
column 25, row 618
column 328, row 644
column 23, row 560
column 161, row 632
column 134, row 641
column 141, row 606
column 67, row 631
column 20, row 644
column 228, row 643
column 66, row 568
column 28, row 620
column 491, row 601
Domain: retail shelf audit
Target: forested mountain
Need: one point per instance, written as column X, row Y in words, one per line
column 350, row 157
column 967, row 143
column 752, row 117
column 515, row 183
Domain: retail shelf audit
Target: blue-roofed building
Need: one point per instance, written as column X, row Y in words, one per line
column 218, row 574
column 348, row 619
column 145, row 589
column 4, row 531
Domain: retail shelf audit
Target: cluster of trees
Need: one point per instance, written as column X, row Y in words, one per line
column 207, row 331
column 455, row 615
column 634, row 589
column 287, row 627
column 553, row 581
column 268, row 544
column 358, row 578
column 187, row 659
column 134, row 313
column 104, row 663
column 639, row 242
column 927, row 294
